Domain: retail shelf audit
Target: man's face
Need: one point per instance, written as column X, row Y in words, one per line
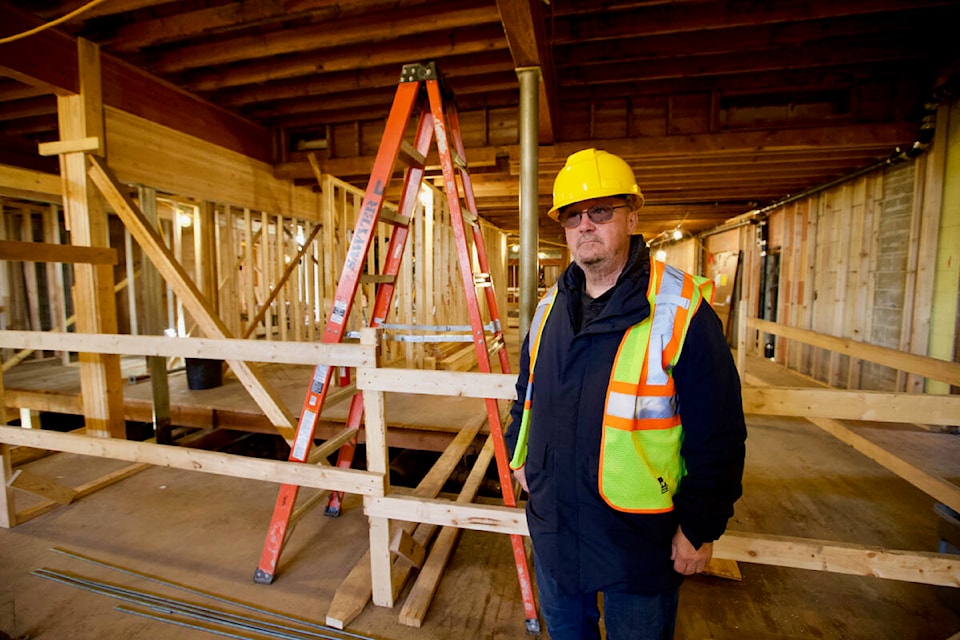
column 596, row 245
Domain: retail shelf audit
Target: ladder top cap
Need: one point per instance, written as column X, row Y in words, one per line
column 416, row 72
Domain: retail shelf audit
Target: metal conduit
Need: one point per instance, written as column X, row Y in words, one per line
column 529, row 123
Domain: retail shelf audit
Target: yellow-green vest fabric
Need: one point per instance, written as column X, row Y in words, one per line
column 640, row 462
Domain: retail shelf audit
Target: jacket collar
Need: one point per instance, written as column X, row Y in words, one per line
column 628, row 303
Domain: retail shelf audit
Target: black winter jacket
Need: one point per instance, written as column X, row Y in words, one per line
column 580, row 540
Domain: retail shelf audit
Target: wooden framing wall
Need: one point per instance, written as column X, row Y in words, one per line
column 275, row 274
column 856, row 261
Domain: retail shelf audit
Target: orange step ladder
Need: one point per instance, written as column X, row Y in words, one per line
column 420, row 85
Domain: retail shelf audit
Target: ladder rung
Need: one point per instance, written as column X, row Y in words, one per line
column 377, row 278
column 458, row 160
column 470, row 217
column 395, row 219
column 410, row 156
column 482, row 280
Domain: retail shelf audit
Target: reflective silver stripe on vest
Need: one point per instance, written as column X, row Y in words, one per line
column 627, row 406
column 664, row 312
column 537, row 319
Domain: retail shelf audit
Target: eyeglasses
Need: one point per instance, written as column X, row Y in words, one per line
column 600, row 214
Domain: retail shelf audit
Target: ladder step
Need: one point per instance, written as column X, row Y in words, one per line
column 482, row 280
column 410, row 156
column 470, row 218
column 458, row 160
column 397, row 220
column 377, row 278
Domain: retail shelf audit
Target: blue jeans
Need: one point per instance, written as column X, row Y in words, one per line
column 626, row 616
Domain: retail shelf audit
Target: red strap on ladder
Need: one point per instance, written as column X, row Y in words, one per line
column 435, row 119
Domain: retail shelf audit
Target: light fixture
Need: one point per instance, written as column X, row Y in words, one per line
column 661, row 255
column 678, row 233
column 184, row 219
column 515, row 248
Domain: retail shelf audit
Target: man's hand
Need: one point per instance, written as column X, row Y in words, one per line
column 686, row 559
column 521, row 478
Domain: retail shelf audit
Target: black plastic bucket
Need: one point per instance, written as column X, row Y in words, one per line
column 204, row 374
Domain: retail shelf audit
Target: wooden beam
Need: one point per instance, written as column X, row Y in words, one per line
column 523, row 25
column 875, row 406
column 47, row 252
column 186, row 290
column 154, row 323
column 8, row 509
column 304, row 475
column 81, row 117
column 49, row 58
column 29, row 184
column 71, row 146
column 335, row 355
column 802, row 553
column 838, row 557
column 934, row 368
column 501, row 386
column 358, row 30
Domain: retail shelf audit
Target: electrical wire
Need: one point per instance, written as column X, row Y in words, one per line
column 53, row 23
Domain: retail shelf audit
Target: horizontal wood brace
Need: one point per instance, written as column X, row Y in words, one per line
column 468, row 384
column 224, row 464
column 801, row 553
column 876, row 406
column 48, row 252
column 313, row 353
column 378, row 278
column 397, row 220
column 928, row 367
column 69, row 146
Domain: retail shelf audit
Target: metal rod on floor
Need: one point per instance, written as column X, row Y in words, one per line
column 205, row 594
column 188, row 609
column 183, row 623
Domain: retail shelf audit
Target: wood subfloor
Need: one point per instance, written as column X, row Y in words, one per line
column 206, row 531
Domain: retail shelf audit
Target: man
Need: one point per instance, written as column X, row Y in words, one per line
column 628, row 433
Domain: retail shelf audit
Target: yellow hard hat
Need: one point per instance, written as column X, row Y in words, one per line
column 592, row 174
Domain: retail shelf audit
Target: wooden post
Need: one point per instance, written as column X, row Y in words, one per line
column 205, row 254
column 742, row 341
column 30, row 275
column 131, row 289
column 55, row 290
column 154, row 324
column 81, row 116
column 375, row 431
column 8, row 509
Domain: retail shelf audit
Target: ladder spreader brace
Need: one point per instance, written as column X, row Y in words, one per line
column 420, row 84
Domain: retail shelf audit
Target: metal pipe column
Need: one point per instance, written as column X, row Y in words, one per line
column 529, row 122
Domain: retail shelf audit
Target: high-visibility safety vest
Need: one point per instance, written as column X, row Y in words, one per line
column 640, row 462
